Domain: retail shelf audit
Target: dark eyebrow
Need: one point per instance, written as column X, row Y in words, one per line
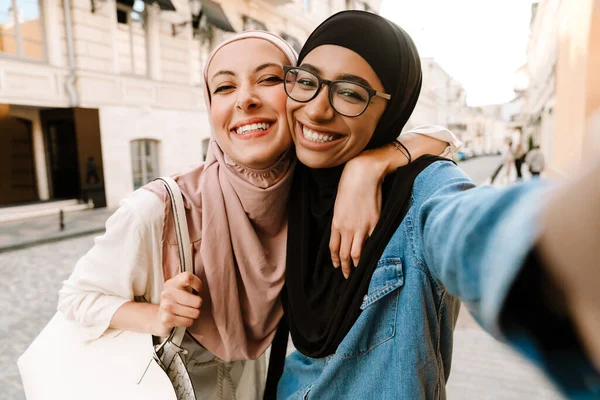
column 267, row 65
column 342, row 77
column 354, row 78
column 222, row 72
column 311, row 68
column 259, row 68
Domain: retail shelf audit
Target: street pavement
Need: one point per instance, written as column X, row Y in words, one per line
column 29, row 288
column 480, row 168
column 27, row 233
column 482, row 368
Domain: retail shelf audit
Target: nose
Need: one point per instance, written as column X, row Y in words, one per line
column 247, row 99
column 319, row 109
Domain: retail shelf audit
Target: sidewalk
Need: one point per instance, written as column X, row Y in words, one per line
column 503, row 179
column 27, row 233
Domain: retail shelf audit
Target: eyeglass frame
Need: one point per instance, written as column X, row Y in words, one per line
column 370, row 91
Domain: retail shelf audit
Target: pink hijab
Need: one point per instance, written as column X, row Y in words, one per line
column 237, row 218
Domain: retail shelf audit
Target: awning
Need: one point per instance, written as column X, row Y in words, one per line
column 179, row 14
column 215, row 15
column 165, row 5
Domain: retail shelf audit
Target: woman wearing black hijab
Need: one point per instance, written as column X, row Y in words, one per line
column 386, row 331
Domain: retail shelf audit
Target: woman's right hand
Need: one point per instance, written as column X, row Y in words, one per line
column 178, row 307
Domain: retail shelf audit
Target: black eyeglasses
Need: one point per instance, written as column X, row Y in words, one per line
column 347, row 98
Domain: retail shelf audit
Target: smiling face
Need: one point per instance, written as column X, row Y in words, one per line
column 324, row 138
column 247, row 109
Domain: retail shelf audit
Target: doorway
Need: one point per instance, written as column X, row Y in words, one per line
column 63, row 159
column 17, row 172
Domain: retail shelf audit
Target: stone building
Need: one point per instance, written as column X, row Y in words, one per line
column 97, row 97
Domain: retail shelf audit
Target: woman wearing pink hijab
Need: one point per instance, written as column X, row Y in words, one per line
column 236, row 209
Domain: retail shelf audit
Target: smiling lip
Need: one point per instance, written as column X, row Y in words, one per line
column 254, row 120
column 253, row 135
column 316, row 146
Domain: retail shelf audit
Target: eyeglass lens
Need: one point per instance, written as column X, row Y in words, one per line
column 346, row 98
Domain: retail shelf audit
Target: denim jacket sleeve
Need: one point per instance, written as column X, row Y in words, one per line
column 475, row 243
column 474, row 239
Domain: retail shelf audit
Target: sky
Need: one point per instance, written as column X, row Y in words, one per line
column 481, row 43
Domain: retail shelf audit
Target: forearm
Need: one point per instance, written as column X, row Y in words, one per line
column 419, row 144
column 388, row 158
column 474, row 241
column 137, row 317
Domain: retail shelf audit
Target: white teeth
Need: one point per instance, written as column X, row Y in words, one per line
column 245, row 129
column 316, row 137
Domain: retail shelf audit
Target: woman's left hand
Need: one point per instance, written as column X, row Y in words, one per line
column 358, row 203
column 357, row 209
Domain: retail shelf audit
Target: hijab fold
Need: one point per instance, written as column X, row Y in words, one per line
column 321, row 305
column 237, row 218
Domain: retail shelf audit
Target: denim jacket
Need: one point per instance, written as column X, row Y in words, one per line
column 453, row 244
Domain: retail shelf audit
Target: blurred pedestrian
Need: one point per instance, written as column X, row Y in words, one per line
column 535, row 161
column 91, row 171
column 519, row 156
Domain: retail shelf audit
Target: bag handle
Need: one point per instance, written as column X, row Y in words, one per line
column 183, row 243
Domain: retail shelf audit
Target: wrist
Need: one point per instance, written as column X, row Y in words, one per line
column 399, row 146
column 371, row 161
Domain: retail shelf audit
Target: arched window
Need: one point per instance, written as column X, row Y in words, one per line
column 205, row 144
column 144, row 161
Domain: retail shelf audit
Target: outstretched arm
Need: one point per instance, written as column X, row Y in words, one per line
column 358, row 203
column 524, row 259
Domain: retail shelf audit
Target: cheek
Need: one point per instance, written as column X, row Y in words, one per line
column 277, row 99
column 218, row 114
column 291, row 108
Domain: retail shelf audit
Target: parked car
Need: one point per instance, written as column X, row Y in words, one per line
column 459, row 156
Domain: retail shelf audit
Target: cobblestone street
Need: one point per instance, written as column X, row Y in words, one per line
column 28, row 295
column 482, row 368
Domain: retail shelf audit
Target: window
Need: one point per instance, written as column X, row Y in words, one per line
column 295, row 43
column 253, row 24
column 349, row 4
column 21, row 31
column 131, row 37
column 306, row 6
column 144, row 161
column 205, row 144
column 329, row 7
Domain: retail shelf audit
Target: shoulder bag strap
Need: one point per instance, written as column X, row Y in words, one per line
column 183, row 241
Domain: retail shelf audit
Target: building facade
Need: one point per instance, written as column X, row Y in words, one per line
column 562, row 102
column 539, row 98
column 443, row 102
column 442, row 98
column 97, row 97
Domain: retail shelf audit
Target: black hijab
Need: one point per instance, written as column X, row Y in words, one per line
column 320, row 304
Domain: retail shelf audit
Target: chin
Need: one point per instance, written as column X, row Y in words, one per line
column 259, row 162
column 312, row 160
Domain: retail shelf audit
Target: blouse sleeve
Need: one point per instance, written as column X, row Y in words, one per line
column 440, row 133
column 123, row 263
